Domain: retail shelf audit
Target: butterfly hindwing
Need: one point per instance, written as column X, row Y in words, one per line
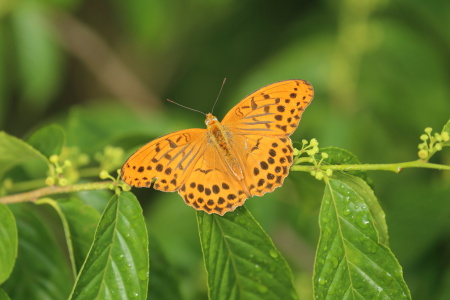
column 267, row 161
column 211, row 186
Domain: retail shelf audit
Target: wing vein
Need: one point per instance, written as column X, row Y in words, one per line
column 257, row 122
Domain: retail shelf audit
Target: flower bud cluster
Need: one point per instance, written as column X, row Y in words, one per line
column 431, row 143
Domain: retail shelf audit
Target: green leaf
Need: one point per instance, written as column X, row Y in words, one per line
column 5, row 78
column 353, row 261
column 79, row 221
column 3, row 295
column 241, row 260
column 48, row 140
column 164, row 282
column 117, row 263
column 97, row 199
column 447, row 126
column 338, row 156
column 41, row 270
column 9, row 241
column 91, row 129
column 38, row 55
column 447, row 129
column 14, row 151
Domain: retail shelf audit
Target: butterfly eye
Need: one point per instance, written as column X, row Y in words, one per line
column 208, row 121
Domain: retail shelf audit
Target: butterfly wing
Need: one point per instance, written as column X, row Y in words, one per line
column 266, row 161
column 260, row 126
column 211, row 186
column 169, row 159
column 274, row 110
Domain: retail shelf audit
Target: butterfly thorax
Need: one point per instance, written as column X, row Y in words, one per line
column 222, row 139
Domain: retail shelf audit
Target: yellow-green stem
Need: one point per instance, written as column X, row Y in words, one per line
column 50, row 190
column 397, row 167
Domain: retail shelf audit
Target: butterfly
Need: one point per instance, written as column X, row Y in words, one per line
column 216, row 169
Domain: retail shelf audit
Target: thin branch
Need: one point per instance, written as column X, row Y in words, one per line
column 396, row 167
column 87, row 46
column 50, row 190
column 101, row 185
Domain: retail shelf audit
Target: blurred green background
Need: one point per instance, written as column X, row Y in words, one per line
column 380, row 70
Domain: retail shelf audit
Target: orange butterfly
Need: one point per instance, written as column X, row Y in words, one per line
column 216, row 169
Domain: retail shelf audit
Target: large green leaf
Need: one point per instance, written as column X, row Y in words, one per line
column 353, row 260
column 41, row 271
column 48, row 139
column 117, row 263
column 14, row 151
column 8, row 244
column 5, row 79
column 3, row 295
column 241, row 260
column 92, row 128
column 38, row 55
column 164, row 280
column 79, row 221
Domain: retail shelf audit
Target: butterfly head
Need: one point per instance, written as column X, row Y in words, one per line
column 210, row 119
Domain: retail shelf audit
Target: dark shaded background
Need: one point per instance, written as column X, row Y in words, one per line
column 380, row 69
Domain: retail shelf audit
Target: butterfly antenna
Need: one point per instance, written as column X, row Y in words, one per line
column 186, row 107
column 223, row 83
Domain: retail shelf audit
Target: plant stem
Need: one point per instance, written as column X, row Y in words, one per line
column 49, row 190
column 101, row 185
column 397, row 167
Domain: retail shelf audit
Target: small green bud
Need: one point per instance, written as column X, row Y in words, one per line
column 319, row 176
column 104, row 174
column 126, row 187
column 438, row 147
column 313, row 173
column 67, row 163
column 445, row 136
column 329, row 172
column 54, row 158
column 296, row 152
column 62, row 181
column 50, row 181
column 108, row 150
column 83, row 159
column 314, row 142
column 424, row 137
column 8, row 183
column 324, row 155
column 423, row 154
column 58, row 170
column 311, row 152
column 304, row 142
column 438, row 137
column 422, row 146
column 428, row 130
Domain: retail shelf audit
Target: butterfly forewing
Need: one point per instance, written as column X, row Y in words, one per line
column 169, row 158
column 274, row 110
